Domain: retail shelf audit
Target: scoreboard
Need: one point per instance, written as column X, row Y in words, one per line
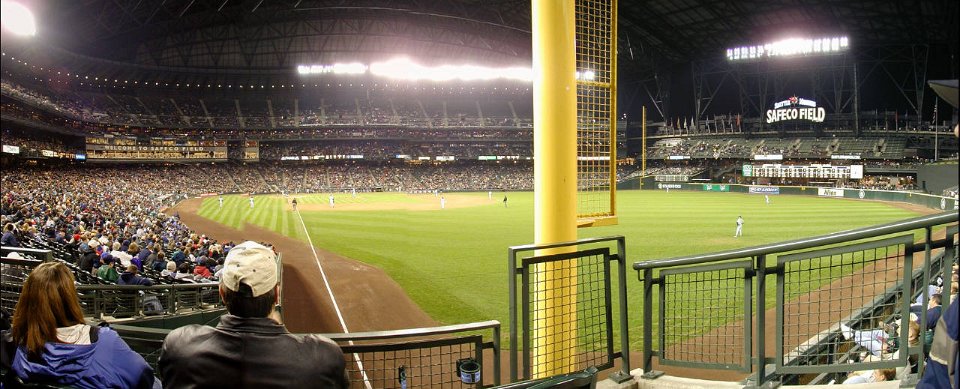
column 853, row 172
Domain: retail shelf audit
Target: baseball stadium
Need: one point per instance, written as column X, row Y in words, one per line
column 463, row 193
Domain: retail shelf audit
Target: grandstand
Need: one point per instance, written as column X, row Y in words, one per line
column 128, row 131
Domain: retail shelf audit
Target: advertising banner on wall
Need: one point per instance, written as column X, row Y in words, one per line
column 830, row 192
column 748, row 170
column 765, row 189
column 669, row 186
column 715, row 188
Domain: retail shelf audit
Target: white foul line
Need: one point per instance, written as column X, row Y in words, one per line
column 336, row 307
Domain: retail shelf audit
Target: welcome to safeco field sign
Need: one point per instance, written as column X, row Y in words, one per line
column 796, row 108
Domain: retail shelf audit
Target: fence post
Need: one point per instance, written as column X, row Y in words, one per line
column 512, row 291
column 926, row 296
column 624, row 374
column 761, row 334
column 496, row 355
column 171, row 301
column 648, row 371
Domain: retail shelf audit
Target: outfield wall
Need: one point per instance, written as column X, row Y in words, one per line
column 926, row 200
column 934, row 178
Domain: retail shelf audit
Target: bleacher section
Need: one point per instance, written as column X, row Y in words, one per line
column 788, row 148
column 355, row 107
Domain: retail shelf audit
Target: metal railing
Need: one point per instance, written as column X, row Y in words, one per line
column 422, row 357
column 121, row 301
column 589, row 272
column 101, row 301
column 712, row 308
column 27, row 253
column 830, row 349
column 414, row 357
column 14, row 271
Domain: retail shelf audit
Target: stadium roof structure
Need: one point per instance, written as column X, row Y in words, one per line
column 260, row 41
column 684, row 30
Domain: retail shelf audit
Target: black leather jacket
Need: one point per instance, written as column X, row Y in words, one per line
column 249, row 353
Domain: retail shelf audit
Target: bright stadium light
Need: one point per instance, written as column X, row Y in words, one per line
column 337, row 68
column 790, row 47
column 17, row 19
column 405, row 69
column 349, row 68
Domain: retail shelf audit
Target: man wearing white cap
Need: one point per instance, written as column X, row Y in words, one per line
column 249, row 349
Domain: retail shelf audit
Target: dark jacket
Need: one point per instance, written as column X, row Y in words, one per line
column 943, row 366
column 9, row 240
column 88, row 260
column 249, row 353
column 128, row 278
column 178, row 257
column 933, row 314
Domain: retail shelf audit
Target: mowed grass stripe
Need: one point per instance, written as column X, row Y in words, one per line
column 258, row 214
column 234, row 209
column 275, row 216
column 452, row 262
column 285, row 223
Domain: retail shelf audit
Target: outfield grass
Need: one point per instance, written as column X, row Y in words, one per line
column 452, row 262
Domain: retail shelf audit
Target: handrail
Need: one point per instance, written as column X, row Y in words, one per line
column 534, row 246
column 42, row 253
column 424, row 331
column 88, row 287
column 370, row 335
column 805, row 243
column 20, row 262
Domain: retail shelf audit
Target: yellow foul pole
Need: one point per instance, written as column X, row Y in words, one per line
column 643, row 145
column 555, row 183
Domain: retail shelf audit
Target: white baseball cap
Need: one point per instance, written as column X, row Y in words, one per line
column 252, row 264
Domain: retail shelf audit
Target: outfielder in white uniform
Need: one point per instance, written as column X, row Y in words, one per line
column 443, row 202
column 767, row 199
column 251, row 201
column 739, row 227
column 331, row 201
column 221, row 201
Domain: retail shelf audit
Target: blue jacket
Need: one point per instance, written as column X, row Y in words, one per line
column 127, row 278
column 9, row 239
column 106, row 363
column 178, row 257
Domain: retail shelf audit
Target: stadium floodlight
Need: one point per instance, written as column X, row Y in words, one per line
column 17, row 19
column 337, row 68
column 405, row 69
column 790, row 47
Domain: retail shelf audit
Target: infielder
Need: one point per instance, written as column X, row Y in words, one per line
column 739, row 227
